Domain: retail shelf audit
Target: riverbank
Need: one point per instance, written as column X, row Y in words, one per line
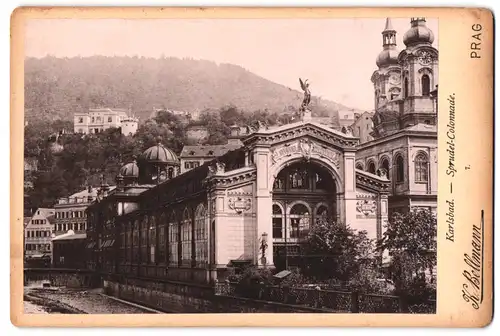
column 68, row 301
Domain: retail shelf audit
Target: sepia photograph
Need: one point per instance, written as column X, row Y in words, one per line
column 230, row 166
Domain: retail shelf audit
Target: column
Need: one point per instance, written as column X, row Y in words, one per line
column 382, row 218
column 263, row 200
column 349, row 189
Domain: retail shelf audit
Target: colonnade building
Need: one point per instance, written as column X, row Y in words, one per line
column 269, row 191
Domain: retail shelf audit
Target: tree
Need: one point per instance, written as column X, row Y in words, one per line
column 336, row 251
column 410, row 239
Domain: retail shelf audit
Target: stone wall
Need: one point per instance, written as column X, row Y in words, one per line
column 188, row 298
column 61, row 278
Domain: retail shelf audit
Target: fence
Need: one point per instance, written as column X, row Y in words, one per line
column 338, row 301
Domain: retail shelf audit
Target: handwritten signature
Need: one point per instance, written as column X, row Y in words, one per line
column 472, row 288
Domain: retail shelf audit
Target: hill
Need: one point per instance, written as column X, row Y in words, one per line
column 57, row 87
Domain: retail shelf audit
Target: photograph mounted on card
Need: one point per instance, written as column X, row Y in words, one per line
column 338, row 177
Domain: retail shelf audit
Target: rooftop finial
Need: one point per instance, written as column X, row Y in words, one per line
column 388, row 25
column 158, row 140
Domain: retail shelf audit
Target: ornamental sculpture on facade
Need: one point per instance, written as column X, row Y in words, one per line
column 239, row 204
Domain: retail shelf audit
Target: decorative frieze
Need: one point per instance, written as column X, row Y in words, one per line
column 240, row 204
column 307, row 148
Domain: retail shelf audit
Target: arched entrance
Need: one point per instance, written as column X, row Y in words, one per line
column 304, row 193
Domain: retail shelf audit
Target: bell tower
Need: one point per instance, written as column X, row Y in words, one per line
column 419, row 63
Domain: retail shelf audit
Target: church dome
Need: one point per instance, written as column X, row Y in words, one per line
column 418, row 33
column 130, row 170
column 387, row 57
column 160, row 154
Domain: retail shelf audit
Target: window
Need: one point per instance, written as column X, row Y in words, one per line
column 210, row 152
column 299, row 221
column 170, row 172
column 426, row 85
column 98, row 119
column 186, row 239
column 359, row 166
column 187, row 164
column 299, row 179
column 80, row 120
column 93, row 119
column 162, row 242
column 110, row 119
column 421, row 168
column 371, row 167
column 277, row 221
column 152, row 240
column 406, row 87
column 400, row 169
column 201, row 239
column 384, row 164
column 173, row 240
column 144, row 239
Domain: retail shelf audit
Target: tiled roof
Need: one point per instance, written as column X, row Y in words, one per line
column 207, row 151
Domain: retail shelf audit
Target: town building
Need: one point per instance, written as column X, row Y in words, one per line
column 255, row 203
column 100, row 119
column 70, row 212
column 129, row 125
column 363, row 127
column 347, row 117
column 69, row 250
column 38, row 233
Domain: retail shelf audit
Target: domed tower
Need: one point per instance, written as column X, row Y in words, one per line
column 128, row 175
column 419, row 63
column 387, row 79
column 158, row 164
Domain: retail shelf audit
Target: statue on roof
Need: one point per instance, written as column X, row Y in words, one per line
column 307, row 94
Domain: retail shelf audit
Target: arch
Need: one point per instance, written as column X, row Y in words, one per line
column 200, row 235
column 186, row 237
column 321, row 213
column 426, row 85
column 421, row 163
column 359, row 165
column 278, row 220
column 399, row 170
column 385, row 163
column 300, row 217
column 371, row 167
column 173, row 230
column 295, row 158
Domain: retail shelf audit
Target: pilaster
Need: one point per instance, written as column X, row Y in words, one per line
column 263, row 202
column 349, row 189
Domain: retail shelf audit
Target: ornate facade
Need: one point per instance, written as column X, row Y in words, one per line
column 255, row 203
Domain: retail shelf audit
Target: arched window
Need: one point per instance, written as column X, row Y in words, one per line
column 162, row 241
column 406, row 87
column 144, row 239
column 200, row 236
column 400, row 169
column 371, row 167
column 170, row 173
column 186, row 238
column 359, row 166
column 152, row 240
column 321, row 214
column 299, row 221
column 421, row 168
column 426, row 85
column 277, row 221
column 173, row 240
column 384, row 164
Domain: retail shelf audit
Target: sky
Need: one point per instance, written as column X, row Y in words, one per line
column 336, row 55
